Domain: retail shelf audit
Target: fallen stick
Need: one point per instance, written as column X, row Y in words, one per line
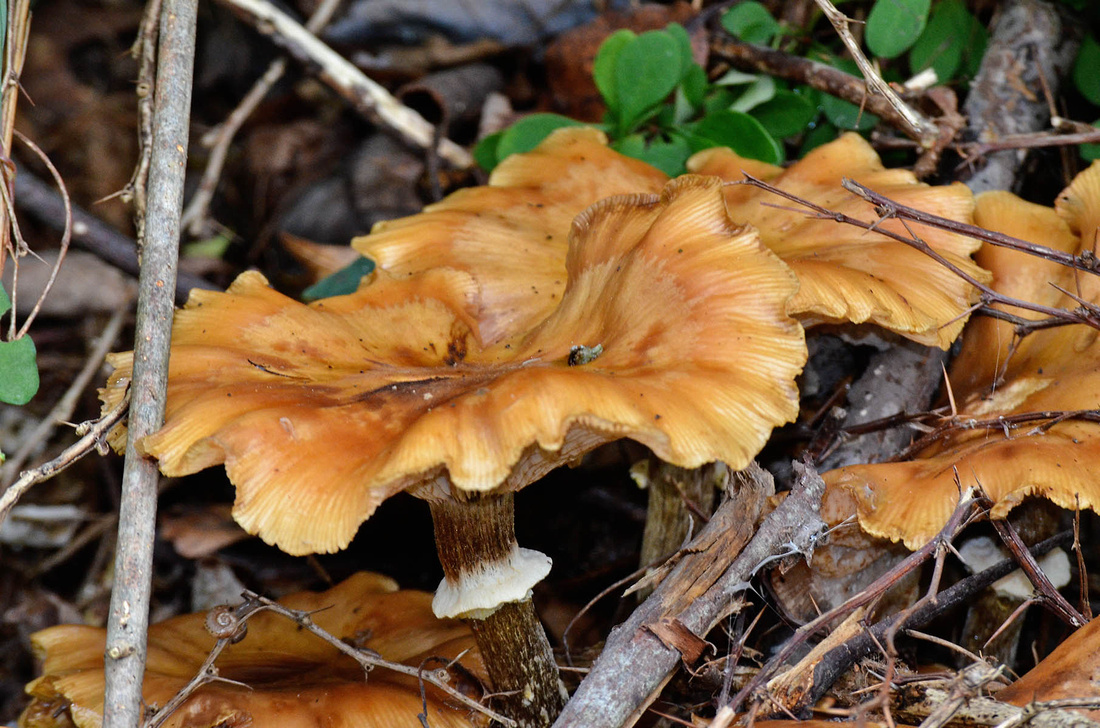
column 712, row 571
column 368, row 98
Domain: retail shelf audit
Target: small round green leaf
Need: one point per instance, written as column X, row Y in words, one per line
column 646, row 72
column 5, row 302
column 756, row 93
column 738, row 131
column 1086, row 70
column 894, row 25
column 952, row 35
column 667, row 156
column 342, row 282
column 603, row 68
column 751, row 22
column 785, row 114
column 485, row 152
column 1091, row 152
column 528, row 132
column 841, row 113
column 20, row 371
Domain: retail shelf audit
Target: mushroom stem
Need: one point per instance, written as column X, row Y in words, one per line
column 487, row 581
column 679, row 501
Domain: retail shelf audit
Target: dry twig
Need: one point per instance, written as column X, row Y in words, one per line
column 195, row 217
column 93, row 435
column 717, row 566
column 920, row 126
column 128, row 618
column 1086, row 314
column 232, row 627
column 366, row 96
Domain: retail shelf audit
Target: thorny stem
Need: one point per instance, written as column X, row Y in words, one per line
column 1088, row 315
column 959, row 518
column 1086, row 261
column 838, row 660
column 368, row 659
column 919, row 126
column 1051, row 597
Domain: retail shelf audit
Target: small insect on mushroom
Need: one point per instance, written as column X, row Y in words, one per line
column 579, row 355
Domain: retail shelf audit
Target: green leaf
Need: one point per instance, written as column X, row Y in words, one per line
column 951, row 35
column 823, row 133
column 756, row 93
column 667, row 156
column 646, row 72
column 485, row 153
column 842, row 113
column 632, row 145
column 1091, row 152
column 694, row 85
column 213, row 248
column 738, row 131
column 528, row 132
column 5, row 302
column 17, row 362
column 751, row 22
column 603, row 68
column 683, row 42
column 1086, row 70
column 733, row 77
column 894, row 25
column 786, row 114
column 344, row 281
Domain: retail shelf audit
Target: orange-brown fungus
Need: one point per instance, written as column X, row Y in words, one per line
column 847, row 273
column 290, row 678
column 1055, row 369
column 512, row 235
column 1071, row 671
column 319, row 412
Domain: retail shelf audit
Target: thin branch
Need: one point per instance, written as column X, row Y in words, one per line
column 1055, row 316
column 128, row 618
column 196, row 214
column 365, row 95
column 231, row 626
column 819, row 76
column 66, row 236
column 920, row 125
column 66, row 405
column 93, row 433
column 1086, row 261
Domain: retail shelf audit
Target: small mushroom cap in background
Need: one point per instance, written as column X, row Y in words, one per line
column 321, row 411
column 847, row 273
column 1051, row 370
column 293, row 678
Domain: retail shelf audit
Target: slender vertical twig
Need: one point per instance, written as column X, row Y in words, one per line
column 129, row 614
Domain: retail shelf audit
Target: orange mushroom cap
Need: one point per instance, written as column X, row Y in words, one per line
column 319, row 412
column 1056, row 369
column 293, row 678
column 512, row 235
column 849, row 274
